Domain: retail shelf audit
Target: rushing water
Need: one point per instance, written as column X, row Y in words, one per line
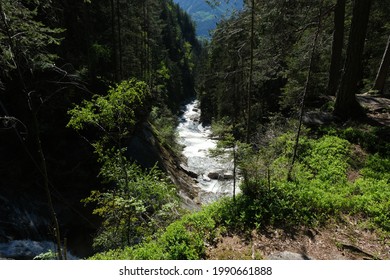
column 27, row 249
column 197, row 142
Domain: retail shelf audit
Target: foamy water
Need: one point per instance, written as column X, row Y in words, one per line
column 197, row 142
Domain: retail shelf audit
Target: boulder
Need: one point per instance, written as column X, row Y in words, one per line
column 286, row 255
column 228, row 176
column 205, row 178
column 188, row 171
column 214, row 175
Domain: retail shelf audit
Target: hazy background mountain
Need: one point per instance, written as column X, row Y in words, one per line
column 205, row 16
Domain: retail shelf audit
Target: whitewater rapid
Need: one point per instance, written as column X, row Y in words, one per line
column 197, row 142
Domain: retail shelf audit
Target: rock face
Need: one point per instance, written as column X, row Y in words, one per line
column 146, row 149
column 286, row 255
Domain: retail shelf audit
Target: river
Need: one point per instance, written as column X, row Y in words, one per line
column 214, row 174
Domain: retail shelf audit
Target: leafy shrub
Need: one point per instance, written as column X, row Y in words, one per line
column 182, row 244
column 135, row 208
column 371, row 195
column 185, row 239
column 327, row 159
column 182, row 240
column 372, row 139
column 49, row 255
column 377, row 167
column 164, row 124
column 115, row 114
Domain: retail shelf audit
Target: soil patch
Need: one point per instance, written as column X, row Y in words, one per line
column 345, row 240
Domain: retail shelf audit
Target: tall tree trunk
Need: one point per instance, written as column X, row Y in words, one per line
column 337, row 48
column 144, row 43
column 305, row 93
column 380, row 79
column 148, row 46
column 120, row 58
column 113, row 38
column 45, row 176
column 346, row 104
column 250, row 86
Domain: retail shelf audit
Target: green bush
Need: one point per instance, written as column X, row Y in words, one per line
column 377, row 167
column 164, row 124
column 182, row 244
column 182, row 240
column 371, row 195
column 135, row 208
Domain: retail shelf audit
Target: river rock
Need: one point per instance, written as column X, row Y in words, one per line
column 286, row 255
column 205, row 178
column 188, row 171
column 214, row 175
column 228, row 176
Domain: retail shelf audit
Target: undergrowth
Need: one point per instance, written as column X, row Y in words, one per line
column 321, row 190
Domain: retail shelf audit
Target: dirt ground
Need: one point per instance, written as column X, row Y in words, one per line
column 346, row 240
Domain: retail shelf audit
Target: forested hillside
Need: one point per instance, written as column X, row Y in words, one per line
column 207, row 15
column 293, row 96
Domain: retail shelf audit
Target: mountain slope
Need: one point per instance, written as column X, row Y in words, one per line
column 205, row 16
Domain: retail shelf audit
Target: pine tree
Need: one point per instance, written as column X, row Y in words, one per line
column 337, row 48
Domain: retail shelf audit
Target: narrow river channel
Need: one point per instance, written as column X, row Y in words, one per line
column 214, row 175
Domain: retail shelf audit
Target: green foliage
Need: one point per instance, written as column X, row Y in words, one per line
column 139, row 204
column 140, row 201
column 371, row 191
column 185, row 239
column 115, row 114
column 327, row 160
column 377, row 167
column 182, row 244
column 24, row 40
column 372, row 139
column 320, row 191
column 49, row 255
column 164, row 124
column 222, row 128
column 182, row 240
